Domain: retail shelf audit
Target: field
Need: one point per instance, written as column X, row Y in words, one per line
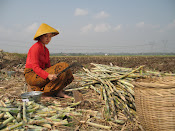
column 157, row 63
column 12, row 84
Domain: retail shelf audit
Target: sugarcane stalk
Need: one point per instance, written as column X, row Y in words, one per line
column 118, row 104
column 120, row 121
column 169, row 74
column 46, row 115
column 126, row 83
column 80, row 88
column 125, row 75
column 35, row 105
column 106, row 100
column 132, row 100
column 92, row 87
column 129, row 89
column 37, row 122
column 36, row 127
column 122, row 87
column 91, row 112
column 63, row 122
column 47, row 126
column 37, row 117
column 67, row 109
column 74, row 104
column 12, row 116
column 33, row 109
column 125, row 109
column 2, row 103
column 91, row 83
column 109, row 94
column 101, row 69
column 97, row 125
column 109, row 85
column 73, row 113
column 130, row 97
column 116, row 91
column 91, row 75
column 101, row 92
column 56, row 119
column 18, row 118
column 6, row 122
column 24, row 112
column 46, row 112
column 11, row 110
column 141, row 72
column 15, row 126
column 1, row 115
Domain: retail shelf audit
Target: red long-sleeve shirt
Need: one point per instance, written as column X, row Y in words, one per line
column 38, row 59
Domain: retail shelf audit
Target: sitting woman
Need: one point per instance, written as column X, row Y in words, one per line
column 39, row 74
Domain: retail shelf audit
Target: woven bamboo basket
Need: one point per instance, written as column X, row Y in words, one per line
column 155, row 104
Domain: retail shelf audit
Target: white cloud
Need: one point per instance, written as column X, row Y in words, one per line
column 168, row 27
column 79, row 11
column 148, row 26
column 171, row 25
column 102, row 14
column 32, row 28
column 86, row 28
column 102, row 28
column 118, row 27
column 140, row 24
column 154, row 26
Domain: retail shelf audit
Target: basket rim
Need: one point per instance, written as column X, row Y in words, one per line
column 154, row 85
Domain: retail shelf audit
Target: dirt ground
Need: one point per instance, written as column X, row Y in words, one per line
column 12, row 84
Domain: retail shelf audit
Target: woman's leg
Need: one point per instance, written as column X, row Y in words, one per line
column 29, row 88
column 51, row 87
column 34, row 81
column 56, row 87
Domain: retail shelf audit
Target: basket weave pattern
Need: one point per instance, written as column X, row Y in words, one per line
column 155, row 107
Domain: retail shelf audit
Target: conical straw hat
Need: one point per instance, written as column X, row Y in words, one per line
column 44, row 29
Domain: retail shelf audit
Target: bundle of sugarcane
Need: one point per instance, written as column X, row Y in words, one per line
column 113, row 84
column 31, row 115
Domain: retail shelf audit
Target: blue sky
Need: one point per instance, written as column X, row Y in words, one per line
column 86, row 26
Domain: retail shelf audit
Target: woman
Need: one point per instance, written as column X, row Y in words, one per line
column 39, row 74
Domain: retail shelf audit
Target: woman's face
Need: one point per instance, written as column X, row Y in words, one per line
column 46, row 38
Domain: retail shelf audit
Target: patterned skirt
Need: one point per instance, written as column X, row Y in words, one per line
column 49, row 87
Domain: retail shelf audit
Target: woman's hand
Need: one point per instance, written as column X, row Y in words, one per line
column 52, row 77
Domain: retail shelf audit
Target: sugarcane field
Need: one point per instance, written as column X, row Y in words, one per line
column 103, row 94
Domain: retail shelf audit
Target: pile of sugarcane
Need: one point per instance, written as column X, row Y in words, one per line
column 114, row 85
column 31, row 115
